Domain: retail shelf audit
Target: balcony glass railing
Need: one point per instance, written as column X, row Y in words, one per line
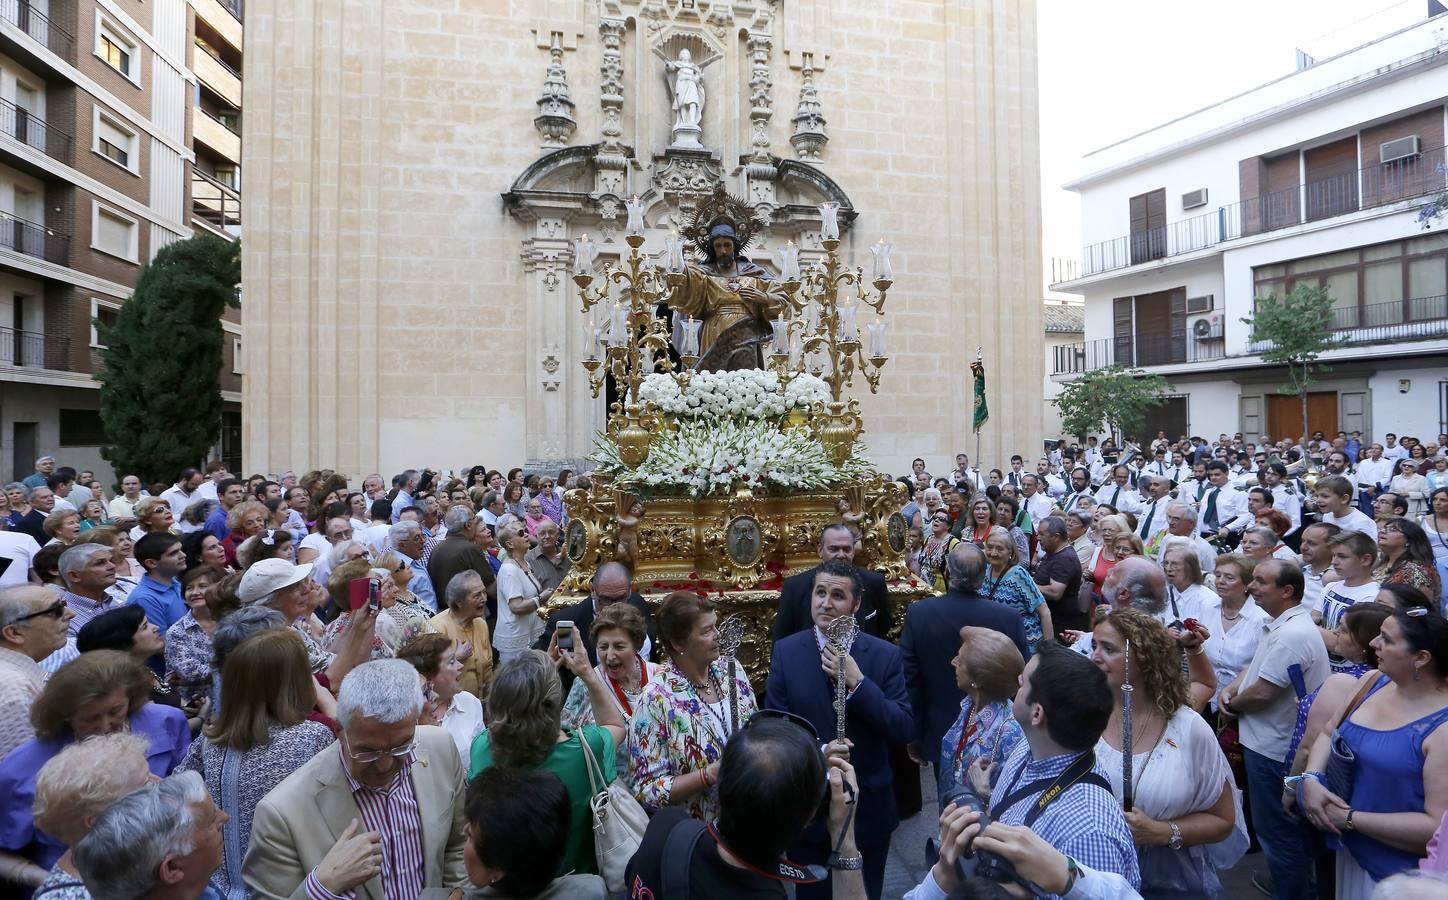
column 1379, row 185
column 1416, row 319
column 35, row 24
column 27, row 237
column 26, row 128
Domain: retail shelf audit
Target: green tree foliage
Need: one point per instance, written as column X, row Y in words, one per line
column 1115, row 399
column 160, row 376
column 1296, row 330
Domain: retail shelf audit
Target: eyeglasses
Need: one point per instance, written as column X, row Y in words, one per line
column 368, row 756
column 56, row 610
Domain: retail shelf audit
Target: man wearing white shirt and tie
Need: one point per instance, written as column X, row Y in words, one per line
column 1152, row 517
column 1035, row 501
column 1080, row 487
column 1284, row 495
column 1118, row 492
column 1017, row 472
column 1373, row 477
column 1224, row 507
column 1051, row 484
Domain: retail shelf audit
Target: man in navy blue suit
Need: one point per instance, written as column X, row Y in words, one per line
column 930, row 639
column 877, row 714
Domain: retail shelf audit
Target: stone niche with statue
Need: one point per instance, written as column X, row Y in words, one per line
column 721, row 329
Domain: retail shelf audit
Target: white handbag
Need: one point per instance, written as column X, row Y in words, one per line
column 619, row 822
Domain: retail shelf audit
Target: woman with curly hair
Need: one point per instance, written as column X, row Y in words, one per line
column 1184, row 808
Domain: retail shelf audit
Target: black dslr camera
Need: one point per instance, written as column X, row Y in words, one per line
column 980, row 863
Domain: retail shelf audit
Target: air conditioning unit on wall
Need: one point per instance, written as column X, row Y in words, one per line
column 1402, row 148
column 1201, row 304
column 1193, row 199
column 1207, row 329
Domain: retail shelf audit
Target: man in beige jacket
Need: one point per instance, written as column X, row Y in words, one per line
column 378, row 815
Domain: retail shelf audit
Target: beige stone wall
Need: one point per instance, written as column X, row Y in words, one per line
column 391, row 316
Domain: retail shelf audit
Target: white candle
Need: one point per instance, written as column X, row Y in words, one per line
column 788, row 257
column 618, row 325
column 881, row 252
column 847, row 329
column 635, row 217
column 877, row 338
column 691, row 337
column 675, row 254
column 582, row 256
column 590, row 339
column 829, row 221
column 781, row 336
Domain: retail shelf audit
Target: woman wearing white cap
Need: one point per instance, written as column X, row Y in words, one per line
column 278, row 584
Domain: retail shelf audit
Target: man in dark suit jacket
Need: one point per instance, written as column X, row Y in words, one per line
column 611, row 584
column 793, row 615
column 930, row 639
column 457, row 552
column 877, row 714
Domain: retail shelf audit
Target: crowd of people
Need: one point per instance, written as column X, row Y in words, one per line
column 1131, row 666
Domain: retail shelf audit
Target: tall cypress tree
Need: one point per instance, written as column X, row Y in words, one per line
column 161, row 369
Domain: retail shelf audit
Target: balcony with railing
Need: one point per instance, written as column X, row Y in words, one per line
column 1400, row 321
column 32, row 239
column 215, row 203
column 32, row 131
column 216, row 74
column 1373, row 186
column 216, row 134
column 38, row 27
column 34, row 349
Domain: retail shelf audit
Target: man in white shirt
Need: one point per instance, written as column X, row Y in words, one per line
column 1394, row 451
column 1181, row 526
column 1080, row 487
column 1334, row 501
column 180, row 494
column 1051, row 484
column 215, row 474
column 1374, row 474
column 1118, row 492
column 1223, row 512
column 20, row 549
column 1152, row 518
column 1035, row 501
column 1017, row 472
column 1316, row 560
column 963, row 472
column 1284, row 496
column 1290, row 657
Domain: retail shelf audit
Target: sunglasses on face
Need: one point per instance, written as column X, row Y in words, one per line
column 55, row 610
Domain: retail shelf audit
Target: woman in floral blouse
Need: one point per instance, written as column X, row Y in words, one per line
column 188, row 641
column 988, row 668
column 683, row 719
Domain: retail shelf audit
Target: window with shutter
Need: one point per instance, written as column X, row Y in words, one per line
column 114, row 234
column 1121, row 332
column 1148, row 226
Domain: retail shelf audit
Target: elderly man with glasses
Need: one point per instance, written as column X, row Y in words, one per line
column 370, row 803
column 33, row 624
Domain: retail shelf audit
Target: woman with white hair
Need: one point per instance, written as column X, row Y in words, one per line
column 73, row 789
column 164, row 825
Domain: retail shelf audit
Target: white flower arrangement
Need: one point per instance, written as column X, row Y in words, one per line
column 750, row 393
column 713, row 456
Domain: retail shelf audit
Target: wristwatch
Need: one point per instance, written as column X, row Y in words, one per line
column 847, row 863
column 1175, row 842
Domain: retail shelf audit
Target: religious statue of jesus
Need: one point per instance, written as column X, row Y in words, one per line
column 734, row 297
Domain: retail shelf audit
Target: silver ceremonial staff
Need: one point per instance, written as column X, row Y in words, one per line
column 841, row 634
column 731, row 636
column 1126, row 691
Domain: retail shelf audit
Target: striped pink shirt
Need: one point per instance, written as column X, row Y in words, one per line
column 393, row 812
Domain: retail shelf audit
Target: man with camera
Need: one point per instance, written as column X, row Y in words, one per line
column 773, row 783
column 1052, row 786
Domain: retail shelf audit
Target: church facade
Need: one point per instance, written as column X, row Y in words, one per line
column 420, row 171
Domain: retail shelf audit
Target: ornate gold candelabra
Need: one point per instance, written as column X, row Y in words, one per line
column 635, row 341
column 829, row 328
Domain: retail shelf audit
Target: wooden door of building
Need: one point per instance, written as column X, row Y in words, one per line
column 1284, row 414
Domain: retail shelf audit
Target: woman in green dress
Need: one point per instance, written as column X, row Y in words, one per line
column 525, row 709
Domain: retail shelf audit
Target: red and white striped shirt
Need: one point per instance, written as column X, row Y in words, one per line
column 393, row 812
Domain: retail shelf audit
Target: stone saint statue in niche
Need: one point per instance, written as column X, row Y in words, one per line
column 687, row 86
column 733, row 297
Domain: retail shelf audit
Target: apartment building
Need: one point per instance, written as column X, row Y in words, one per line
column 1314, row 178
column 99, row 112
